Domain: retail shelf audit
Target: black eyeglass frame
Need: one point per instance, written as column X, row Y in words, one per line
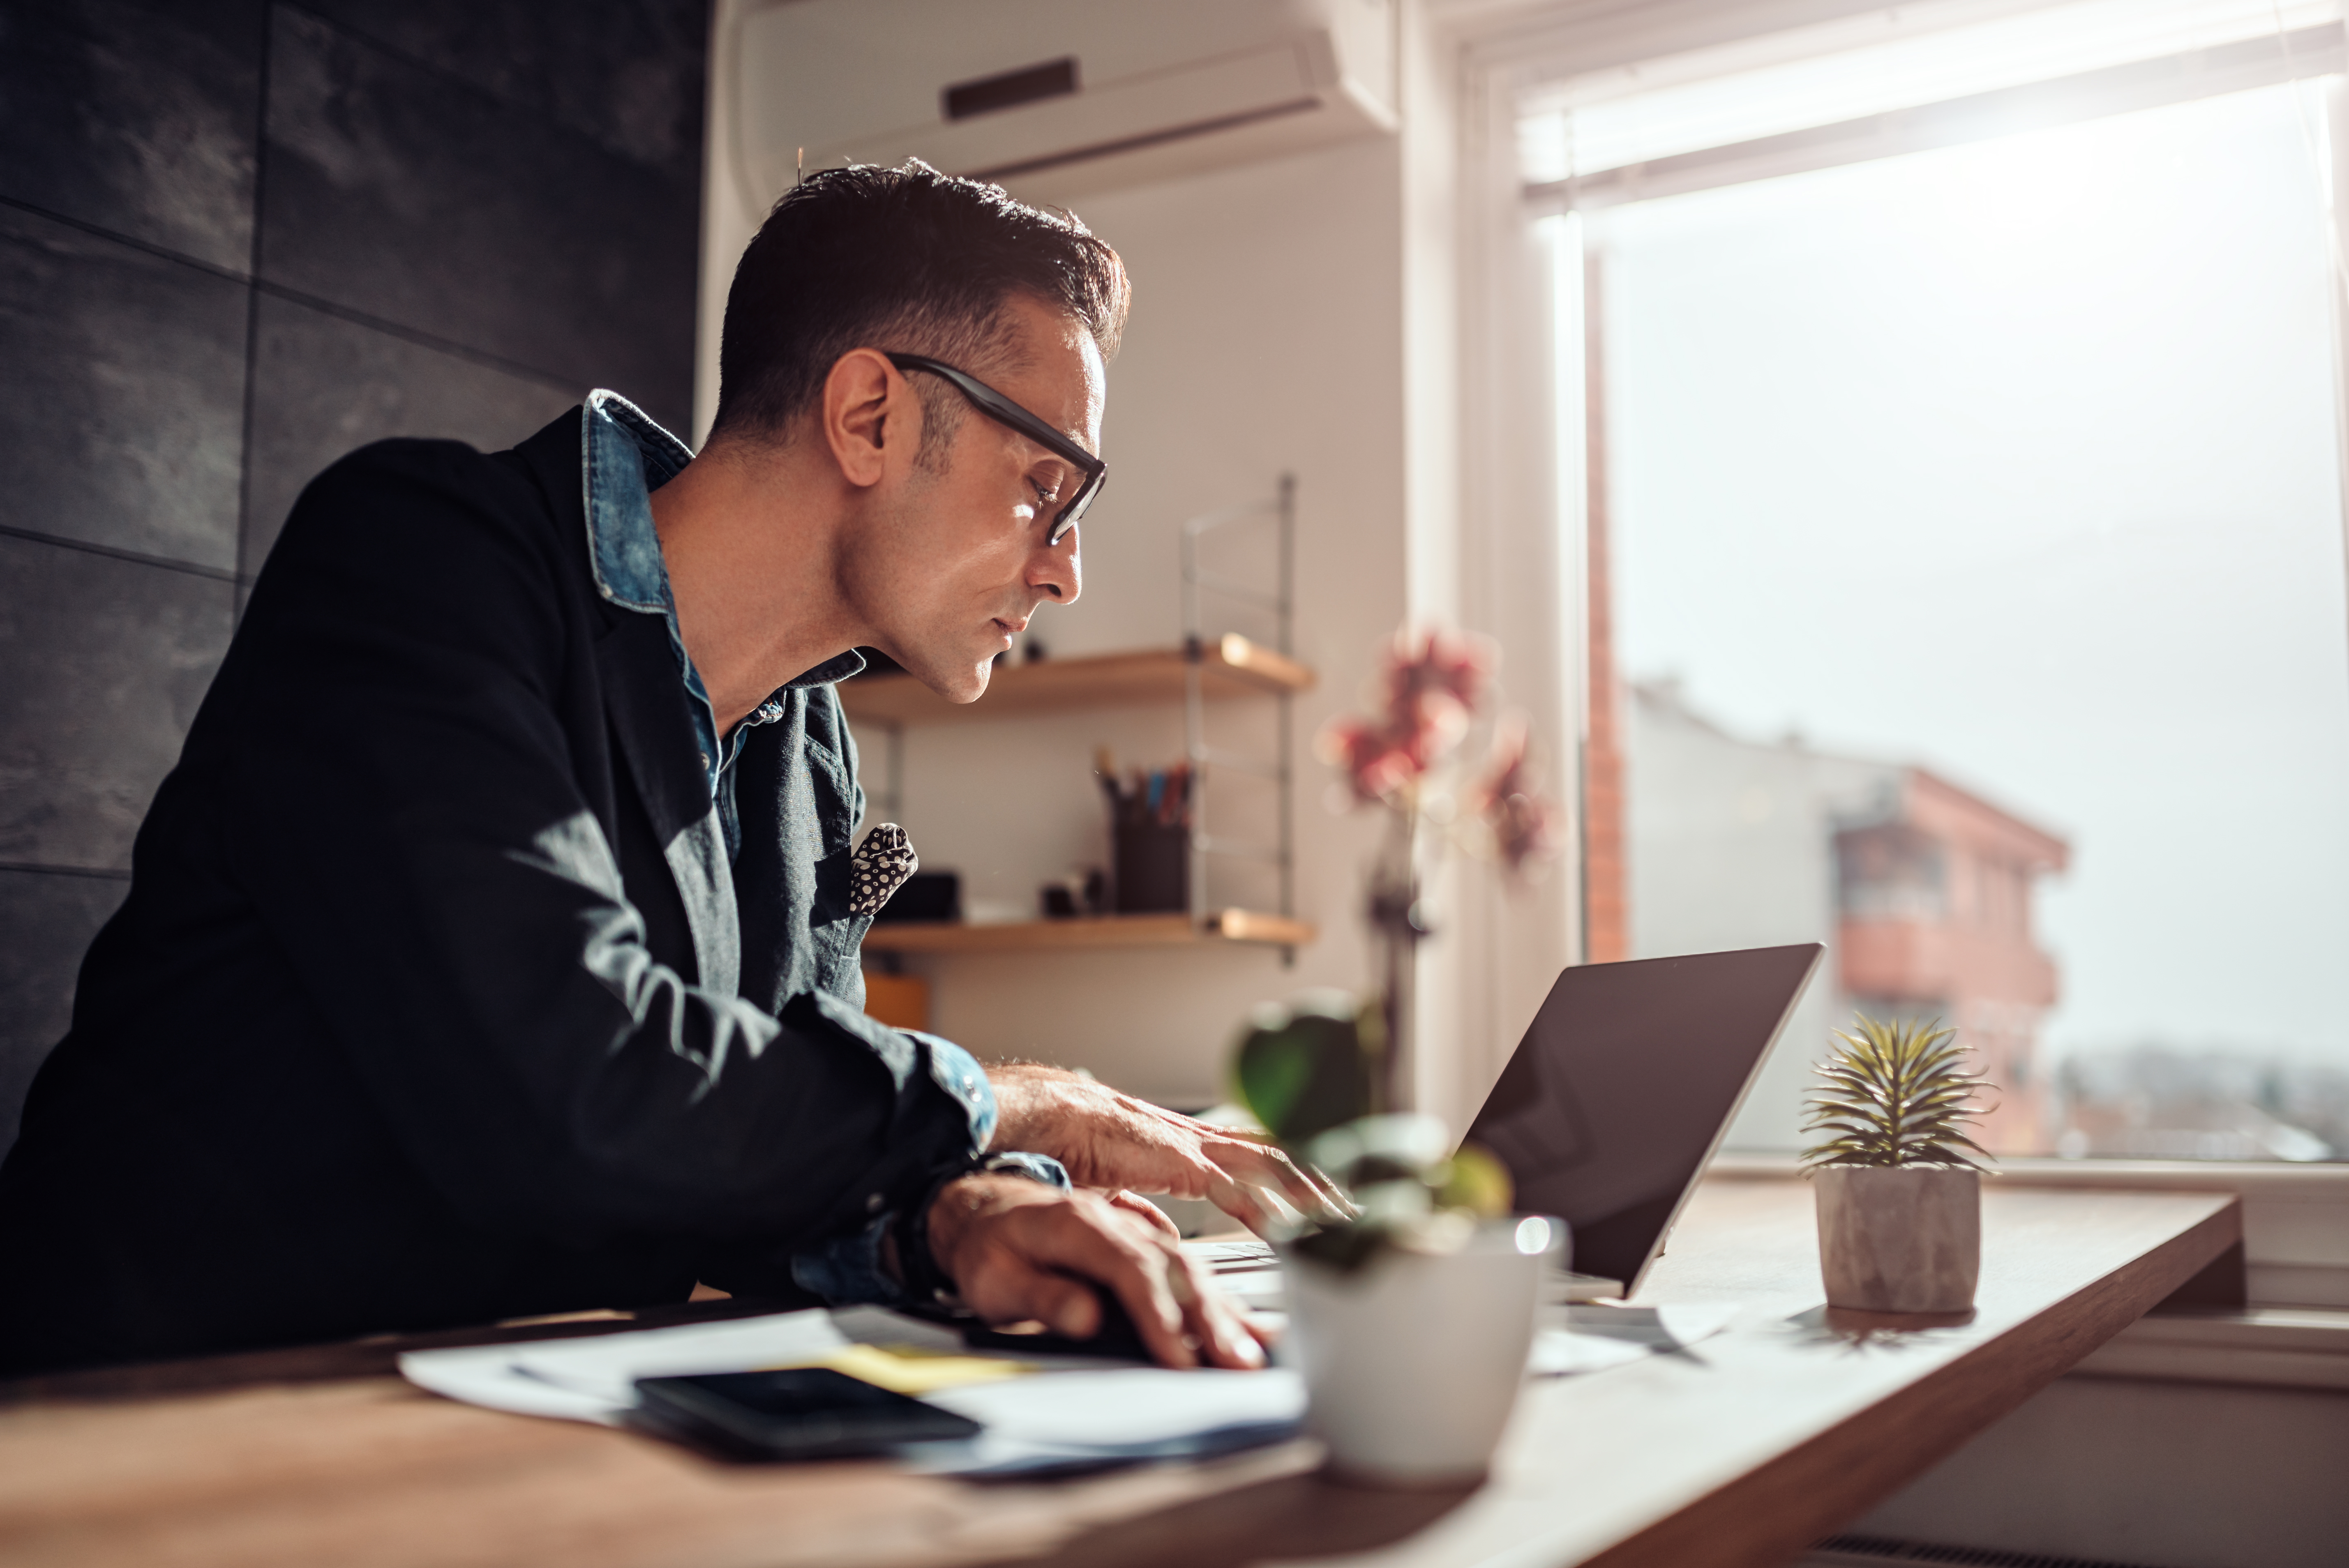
column 1004, row 412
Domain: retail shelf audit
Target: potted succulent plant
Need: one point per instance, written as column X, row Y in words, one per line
column 1899, row 1200
column 1411, row 1320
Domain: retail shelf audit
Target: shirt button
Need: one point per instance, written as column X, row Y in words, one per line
column 705, row 759
column 872, row 1204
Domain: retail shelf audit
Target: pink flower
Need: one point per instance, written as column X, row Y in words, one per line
column 1523, row 822
column 1431, row 681
column 1423, row 665
column 1435, row 680
column 1376, row 766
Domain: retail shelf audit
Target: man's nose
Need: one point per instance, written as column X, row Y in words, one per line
column 1057, row 572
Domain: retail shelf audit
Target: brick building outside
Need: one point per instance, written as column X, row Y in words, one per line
column 1921, row 890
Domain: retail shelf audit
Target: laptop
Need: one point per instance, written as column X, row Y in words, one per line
column 1625, row 1085
column 1617, row 1099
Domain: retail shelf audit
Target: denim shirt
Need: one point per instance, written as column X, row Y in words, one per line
column 624, row 458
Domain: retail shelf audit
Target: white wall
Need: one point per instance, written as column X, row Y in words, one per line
column 2168, row 1475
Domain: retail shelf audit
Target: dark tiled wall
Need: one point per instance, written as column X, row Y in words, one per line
column 238, row 239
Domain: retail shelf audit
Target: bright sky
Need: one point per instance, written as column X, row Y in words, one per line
column 2018, row 460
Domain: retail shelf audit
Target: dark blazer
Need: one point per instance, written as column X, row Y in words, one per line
column 435, row 999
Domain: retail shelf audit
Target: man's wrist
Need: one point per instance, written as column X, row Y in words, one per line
column 914, row 1250
column 1022, row 1091
column 926, row 1252
column 941, row 1230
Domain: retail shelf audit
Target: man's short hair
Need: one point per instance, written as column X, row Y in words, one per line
column 906, row 260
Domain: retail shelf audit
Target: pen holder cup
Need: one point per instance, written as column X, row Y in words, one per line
column 1153, row 868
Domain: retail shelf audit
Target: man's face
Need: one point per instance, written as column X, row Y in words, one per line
column 951, row 560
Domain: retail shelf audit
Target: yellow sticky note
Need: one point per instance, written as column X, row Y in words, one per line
column 910, row 1369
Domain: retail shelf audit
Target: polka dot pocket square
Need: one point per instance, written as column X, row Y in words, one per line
column 879, row 868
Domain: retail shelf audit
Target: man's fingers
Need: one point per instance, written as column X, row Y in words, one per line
column 1103, row 1245
column 1069, row 1305
column 1254, row 1159
column 1037, row 1253
column 1109, row 1141
column 1143, row 1208
column 1213, row 1321
column 1247, row 1204
column 1008, row 1288
column 1222, row 1336
column 1305, row 1189
column 1263, row 1209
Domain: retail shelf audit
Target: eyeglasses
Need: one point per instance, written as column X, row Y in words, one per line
column 1004, row 411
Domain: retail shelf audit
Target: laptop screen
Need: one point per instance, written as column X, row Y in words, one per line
column 1622, row 1088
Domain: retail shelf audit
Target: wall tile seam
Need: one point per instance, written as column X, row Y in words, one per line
column 149, row 247
column 466, row 84
column 49, row 868
column 422, row 339
column 249, row 398
column 113, row 552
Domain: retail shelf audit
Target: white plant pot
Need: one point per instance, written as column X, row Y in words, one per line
column 1904, row 1238
column 1412, row 1362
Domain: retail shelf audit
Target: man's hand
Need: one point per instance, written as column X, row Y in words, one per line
column 1017, row 1249
column 1114, row 1142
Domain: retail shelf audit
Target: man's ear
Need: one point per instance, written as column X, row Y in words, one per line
column 869, row 415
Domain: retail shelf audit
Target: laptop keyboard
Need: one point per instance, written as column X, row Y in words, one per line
column 1249, row 1269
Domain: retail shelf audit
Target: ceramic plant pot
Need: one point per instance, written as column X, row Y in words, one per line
column 1904, row 1238
column 1412, row 1362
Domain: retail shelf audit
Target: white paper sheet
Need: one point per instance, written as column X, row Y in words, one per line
column 594, row 1378
column 1593, row 1338
column 1077, row 1420
column 487, row 1375
column 1069, row 1413
column 1137, row 1406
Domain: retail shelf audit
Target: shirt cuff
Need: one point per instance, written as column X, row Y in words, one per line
column 953, row 1069
column 1035, row 1167
column 848, row 1271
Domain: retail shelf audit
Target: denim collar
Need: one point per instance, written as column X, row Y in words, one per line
column 624, row 456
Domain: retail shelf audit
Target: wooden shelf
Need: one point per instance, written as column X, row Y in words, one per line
column 1106, row 931
column 1231, row 666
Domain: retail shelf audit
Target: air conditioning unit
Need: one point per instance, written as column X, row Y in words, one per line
column 1057, row 98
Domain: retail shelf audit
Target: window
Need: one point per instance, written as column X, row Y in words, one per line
column 1954, row 436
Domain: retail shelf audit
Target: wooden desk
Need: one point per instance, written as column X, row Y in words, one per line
column 1740, row 1451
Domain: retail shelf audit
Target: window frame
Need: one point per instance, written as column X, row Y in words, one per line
column 1480, row 60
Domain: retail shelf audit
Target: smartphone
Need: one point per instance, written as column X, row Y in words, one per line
column 806, row 1413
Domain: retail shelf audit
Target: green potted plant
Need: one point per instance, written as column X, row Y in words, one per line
column 1410, row 1320
column 1899, row 1198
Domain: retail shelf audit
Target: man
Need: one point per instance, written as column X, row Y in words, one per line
column 492, row 949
